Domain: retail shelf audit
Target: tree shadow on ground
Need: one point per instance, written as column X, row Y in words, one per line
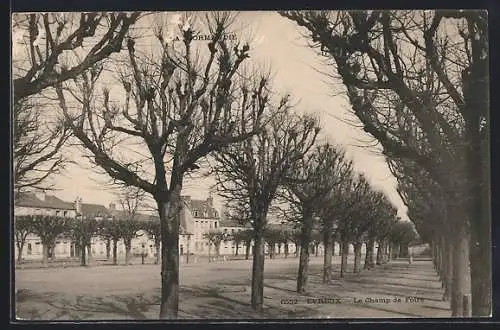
column 233, row 302
column 54, row 306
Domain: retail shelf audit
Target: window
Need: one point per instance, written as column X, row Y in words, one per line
column 57, row 212
column 196, row 213
column 215, row 224
column 30, row 250
column 232, row 231
column 215, row 214
column 205, row 215
column 65, row 213
column 210, row 225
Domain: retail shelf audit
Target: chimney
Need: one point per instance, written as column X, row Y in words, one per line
column 78, row 205
column 210, row 200
column 112, row 206
column 40, row 194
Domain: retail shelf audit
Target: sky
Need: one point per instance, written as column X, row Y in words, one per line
column 279, row 44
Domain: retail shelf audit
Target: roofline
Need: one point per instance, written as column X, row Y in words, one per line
column 45, row 207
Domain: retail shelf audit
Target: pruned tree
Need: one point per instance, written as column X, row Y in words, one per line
column 215, row 238
column 43, row 43
column 23, row 226
column 249, row 174
column 418, row 81
column 307, row 187
column 111, row 230
column 49, row 228
column 272, row 236
column 238, row 237
column 179, row 108
column 330, row 212
column 82, row 230
column 380, row 218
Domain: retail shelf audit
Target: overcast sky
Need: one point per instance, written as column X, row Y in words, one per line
column 278, row 43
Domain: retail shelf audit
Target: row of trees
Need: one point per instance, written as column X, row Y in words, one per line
column 191, row 102
column 279, row 237
column 418, row 81
column 80, row 231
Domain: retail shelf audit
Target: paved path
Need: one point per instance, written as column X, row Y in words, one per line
column 397, row 289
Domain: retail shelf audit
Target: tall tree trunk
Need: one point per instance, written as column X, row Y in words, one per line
column 128, row 246
column 305, row 240
column 115, row 252
column 316, row 249
column 45, row 254
column 476, row 97
column 169, row 207
column 83, row 255
column 369, row 254
column 344, row 251
column 247, row 250
column 236, row 249
column 89, row 252
column 217, row 250
column 333, row 247
column 53, row 251
column 108, row 248
column 447, row 267
column 357, row 257
column 158, row 251
column 297, row 250
column 460, row 271
column 380, row 253
column 286, row 249
column 20, row 247
column 257, row 300
column 327, row 259
column 480, row 257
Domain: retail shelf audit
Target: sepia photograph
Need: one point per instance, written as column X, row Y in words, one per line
column 250, row 165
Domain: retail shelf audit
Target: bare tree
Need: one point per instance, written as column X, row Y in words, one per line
column 36, row 141
column 179, row 108
column 307, row 187
column 42, row 43
column 250, row 173
column 131, row 200
column 23, row 226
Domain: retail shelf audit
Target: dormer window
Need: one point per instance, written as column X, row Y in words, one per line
column 205, row 214
column 196, row 213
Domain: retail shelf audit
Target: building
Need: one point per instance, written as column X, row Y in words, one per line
column 40, row 203
column 204, row 218
column 197, row 217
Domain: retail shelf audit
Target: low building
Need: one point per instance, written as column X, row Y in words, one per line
column 196, row 218
column 40, row 203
